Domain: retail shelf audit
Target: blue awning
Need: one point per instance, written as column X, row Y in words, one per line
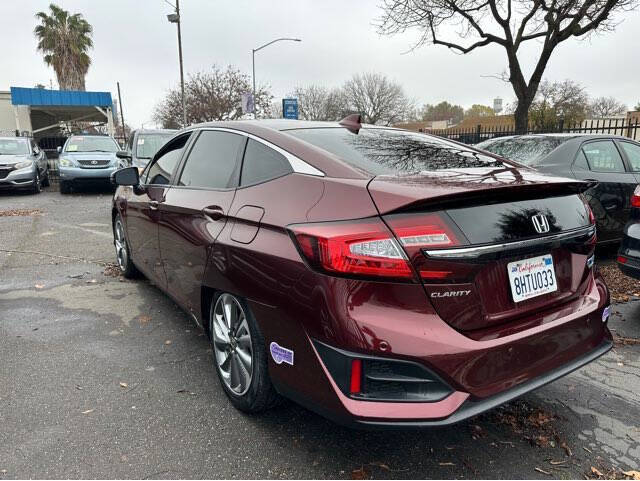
column 59, row 98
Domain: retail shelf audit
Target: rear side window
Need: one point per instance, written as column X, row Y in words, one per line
column 633, row 154
column 262, row 163
column 161, row 170
column 526, row 150
column 386, row 151
column 212, row 163
column 603, row 156
column 581, row 161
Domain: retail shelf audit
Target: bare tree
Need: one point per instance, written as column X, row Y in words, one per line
column 506, row 23
column 442, row 111
column 602, row 107
column 566, row 100
column 209, row 96
column 378, row 99
column 316, row 102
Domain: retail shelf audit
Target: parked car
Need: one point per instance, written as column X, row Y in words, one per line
column 87, row 159
column 143, row 144
column 629, row 253
column 23, row 166
column 377, row 276
column 614, row 162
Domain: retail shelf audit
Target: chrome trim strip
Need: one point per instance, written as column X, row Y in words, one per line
column 298, row 165
column 469, row 252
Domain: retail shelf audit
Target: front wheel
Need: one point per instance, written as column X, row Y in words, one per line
column 240, row 355
column 37, row 185
column 123, row 253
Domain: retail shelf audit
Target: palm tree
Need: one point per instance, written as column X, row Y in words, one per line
column 65, row 40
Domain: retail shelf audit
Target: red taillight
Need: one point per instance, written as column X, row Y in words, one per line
column 622, row 260
column 424, row 231
column 635, row 198
column 359, row 248
column 355, row 386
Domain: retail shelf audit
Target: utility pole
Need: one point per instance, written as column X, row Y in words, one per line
column 175, row 18
column 124, row 135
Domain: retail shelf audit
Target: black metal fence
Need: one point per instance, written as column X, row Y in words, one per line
column 473, row 135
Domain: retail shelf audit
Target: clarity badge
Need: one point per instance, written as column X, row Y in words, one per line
column 281, row 354
column 606, row 312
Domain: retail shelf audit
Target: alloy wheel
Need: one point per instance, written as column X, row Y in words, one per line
column 232, row 344
column 121, row 245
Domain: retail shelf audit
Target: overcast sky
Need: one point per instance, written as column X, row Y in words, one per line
column 134, row 44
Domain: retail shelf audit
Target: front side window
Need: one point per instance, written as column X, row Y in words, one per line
column 148, row 144
column 603, row 156
column 13, row 147
column 387, row 151
column 212, row 163
column 161, row 170
column 633, row 154
column 78, row 143
column 262, row 163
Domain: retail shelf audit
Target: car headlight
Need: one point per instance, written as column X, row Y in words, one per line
column 64, row 162
column 23, row 165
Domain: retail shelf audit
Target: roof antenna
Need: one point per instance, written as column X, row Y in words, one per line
column 353, row 123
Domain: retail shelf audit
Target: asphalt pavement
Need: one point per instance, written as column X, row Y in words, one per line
column 101, row 377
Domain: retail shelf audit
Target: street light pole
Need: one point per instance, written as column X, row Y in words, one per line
column 253, row 65
column 175, row 18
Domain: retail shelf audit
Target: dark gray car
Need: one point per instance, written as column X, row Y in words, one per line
column 143, row 144
column 614, row 162
column 23, row 166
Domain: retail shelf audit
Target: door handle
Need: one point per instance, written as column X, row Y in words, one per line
column 153, row 204
column 214, row 212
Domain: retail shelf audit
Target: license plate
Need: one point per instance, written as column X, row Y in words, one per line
column 532, row 277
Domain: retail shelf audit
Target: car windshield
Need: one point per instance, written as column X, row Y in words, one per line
column 13, row 147
column 148, row 144
column 386, row 151
column 526, row 150
column 91, row 144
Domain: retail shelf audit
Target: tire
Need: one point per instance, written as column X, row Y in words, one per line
column 37, row 183
column 230, row 351
column 46, row 182
column 123, row 252
column 64, row 188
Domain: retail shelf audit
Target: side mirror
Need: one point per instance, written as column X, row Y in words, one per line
column 59, row 149
column 123, row 154
column 126, row 176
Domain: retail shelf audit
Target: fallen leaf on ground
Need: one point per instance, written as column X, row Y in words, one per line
column 19, row 212
column 39, row 286
column 540, row 470
column 360, row 473
column 167, row 342
column 91, row 281
column 620, row 285
column 381, row 466
column 143, row 319
column 566, row 448
column 448, row 463
column 88, row 411
column 596, row 471
column 124, row 384
column 555, row 463
column 587, row 450
column 635, row 475
column 620, row 364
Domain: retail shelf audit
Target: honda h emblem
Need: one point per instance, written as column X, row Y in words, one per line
column 540, row 223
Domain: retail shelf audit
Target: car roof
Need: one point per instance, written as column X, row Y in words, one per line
column 15, row 138
column 567, row 135
column 281, row 124
column 155, row 131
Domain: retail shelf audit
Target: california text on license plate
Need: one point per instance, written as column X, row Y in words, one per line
column 532, row 277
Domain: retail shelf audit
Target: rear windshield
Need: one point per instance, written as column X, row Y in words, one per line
column 91, row 144
column 384, row 152
column 148, row 144
column 524, row 150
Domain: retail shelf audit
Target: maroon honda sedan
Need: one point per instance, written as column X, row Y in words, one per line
column 377, row 276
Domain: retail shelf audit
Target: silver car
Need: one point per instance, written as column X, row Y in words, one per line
column 23, row 166
column 87, row 159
